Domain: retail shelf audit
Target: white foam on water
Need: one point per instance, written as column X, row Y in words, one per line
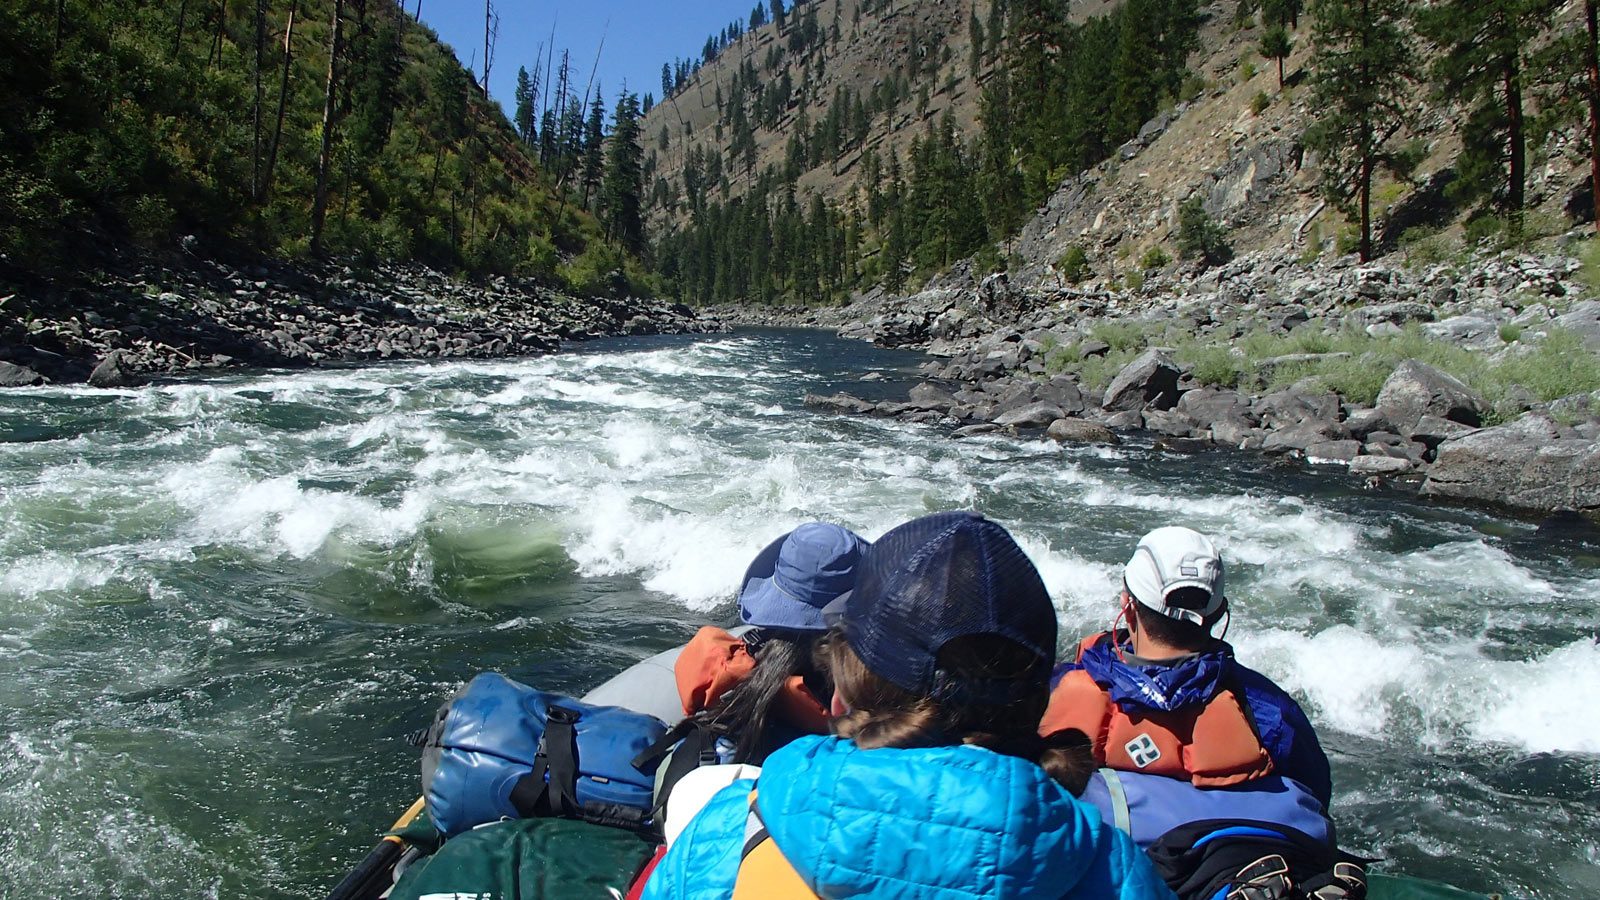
column 30, row 577
column 1443, row 692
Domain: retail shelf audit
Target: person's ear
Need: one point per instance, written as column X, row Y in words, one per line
column 838, row 708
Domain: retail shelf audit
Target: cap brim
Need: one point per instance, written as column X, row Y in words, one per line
column 834, row 613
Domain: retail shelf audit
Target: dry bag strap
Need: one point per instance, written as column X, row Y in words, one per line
column 699, row 748
column 764, row 872
column 551, row 789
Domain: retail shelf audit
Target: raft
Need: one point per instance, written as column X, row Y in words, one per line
column 649, row 687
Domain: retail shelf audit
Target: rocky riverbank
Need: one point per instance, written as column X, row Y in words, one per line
column 1015, row 358
column 148, row 320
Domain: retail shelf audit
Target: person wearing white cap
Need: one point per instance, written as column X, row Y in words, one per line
column 1164, row 696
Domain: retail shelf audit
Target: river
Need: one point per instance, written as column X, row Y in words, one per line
column 225, row 602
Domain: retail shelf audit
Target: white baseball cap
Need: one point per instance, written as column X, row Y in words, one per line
column 1172, row 558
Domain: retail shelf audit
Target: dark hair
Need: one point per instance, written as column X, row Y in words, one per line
column 884, row 714
column 742, row 714
column 1180, row 633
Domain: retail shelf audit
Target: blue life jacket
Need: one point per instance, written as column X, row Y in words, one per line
column 1149, row 806
column 501, row 750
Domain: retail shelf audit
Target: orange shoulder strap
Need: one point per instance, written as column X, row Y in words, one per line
column 1224, row 748
column 711, row 664
column 764, row 872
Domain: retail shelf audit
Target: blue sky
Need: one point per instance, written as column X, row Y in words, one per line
column 641, row 36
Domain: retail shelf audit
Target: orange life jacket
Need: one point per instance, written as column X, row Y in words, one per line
column 715, row 662
column 764, row 872
column 1210, row 746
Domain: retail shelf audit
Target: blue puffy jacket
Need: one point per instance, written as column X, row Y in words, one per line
column 945, row 823
column 1282, row 726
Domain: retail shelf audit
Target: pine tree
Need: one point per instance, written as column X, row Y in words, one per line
column 1485, row 48
column 593, row 148
column 777, row 13
column 1276, row 44
column 523, row 95
column 1281, row 12
column 624, row 177
column 1362, row 70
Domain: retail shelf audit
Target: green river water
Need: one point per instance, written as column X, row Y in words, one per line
column 224, row 602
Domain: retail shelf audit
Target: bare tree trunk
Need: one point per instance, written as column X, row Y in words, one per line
column 1591, row 11
column 283, row 102
column 255, row 115
column 214, row 55
column 177, row 39
column 488, row 43
column 1518, row 152
column 319, row 205
column 1280, row 73
column 418, row 16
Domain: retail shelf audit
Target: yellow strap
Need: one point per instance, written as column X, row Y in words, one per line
column 764, row 872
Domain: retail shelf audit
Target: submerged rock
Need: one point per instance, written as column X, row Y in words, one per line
column 1080, row 431
column 110, row 373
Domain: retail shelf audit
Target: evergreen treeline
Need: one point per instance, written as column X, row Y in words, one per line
column 1062, row 97
column 276, row 126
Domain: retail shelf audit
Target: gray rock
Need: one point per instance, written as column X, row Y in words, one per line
column 1150, row 380
column 1584, row 318
column 1080, row 431
column 930, row 396
column 1169, row 422
column 1333, row 451
column 1416, row 389
column 110, row 373
column 1293, row 407
column 840, row 403
column 1232, row 433
column 1093, row 348
column 1063, row 392
column 1132, row 418
column 1471, row 332
column 1530, row 464
column 12, row 375
column 980, row 428
column 1433, row 431
column 1272, row 363
column 1392, row 313
column 1296, row 437
column 1209, row 405
column 1365, row 423
column 1379, row 465
column 1034, row 415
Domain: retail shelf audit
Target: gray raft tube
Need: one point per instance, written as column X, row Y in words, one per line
column 648, row 686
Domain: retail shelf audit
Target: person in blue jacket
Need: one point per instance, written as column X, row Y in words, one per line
column 936, row 784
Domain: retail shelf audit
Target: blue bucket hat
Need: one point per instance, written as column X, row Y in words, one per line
column 790, row 581
column 938, row 578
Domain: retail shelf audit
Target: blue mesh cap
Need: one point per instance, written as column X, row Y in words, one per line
column 941, row 577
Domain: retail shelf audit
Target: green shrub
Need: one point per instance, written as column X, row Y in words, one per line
column 1199, row 237
column 1347, row 241
column 1484, row 227
column 1247, row 70
column 1074, row 264
column 1259, row 103
column 1216, row 365
column 1154, row 258
column 1120, row 335
column 1510, row 333
column 598, row 271
column 1589, row 274
column 1192, row 87
column 1135, row 280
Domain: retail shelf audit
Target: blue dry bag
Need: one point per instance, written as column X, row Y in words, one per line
column 500, row 749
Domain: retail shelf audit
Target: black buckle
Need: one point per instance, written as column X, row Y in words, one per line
column 562, row 716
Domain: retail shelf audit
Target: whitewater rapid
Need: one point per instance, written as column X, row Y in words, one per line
column 194, row 570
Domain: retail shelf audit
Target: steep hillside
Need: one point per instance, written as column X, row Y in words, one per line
column 132, row 126
column 867, row 74
column 878, row 143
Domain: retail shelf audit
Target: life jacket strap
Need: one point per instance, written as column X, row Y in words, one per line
column 1120, row 813
column 764, row 872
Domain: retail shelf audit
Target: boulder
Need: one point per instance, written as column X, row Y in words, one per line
column 110, row 373
column 1583, row 318
column 980, row 428
column 13, row 375
column 1416, row 389
column 1529, row 464
column 1169, row 422
column 1236, row 434
column 1433, row 431
column 1063, row 392
column 1218, row 410
column 1150, row 380
column 1333, row 451
column 1471, row 332
column 1079, row 431
column 1293, row 407
column 1392, row 313
column 840, row 403
column 1379, row 465
column 931, row 396
column 1295, row 437
column 1034, row 415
